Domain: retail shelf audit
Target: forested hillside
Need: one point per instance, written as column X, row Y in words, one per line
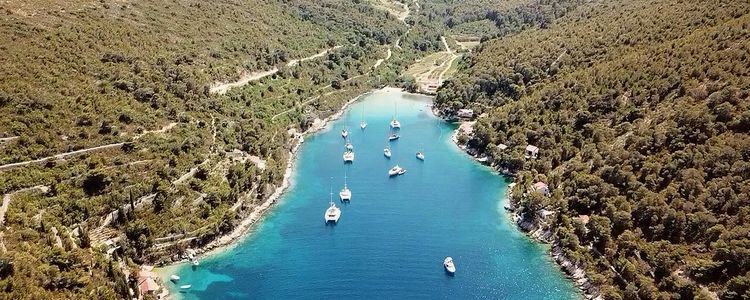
column 641, row 112
column 164, row 163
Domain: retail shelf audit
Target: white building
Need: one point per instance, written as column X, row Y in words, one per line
column 542, row 188
column 532, row 152
column 465, row 113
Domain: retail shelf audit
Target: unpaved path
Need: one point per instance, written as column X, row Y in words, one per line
column 294, row 62
column 59, row 156
column 380, row 61
column 7, row 139
column 82, row 151
column 445, row 43
column 221, row 88
column 7, row 197
column 311, row 99
column 450, row 64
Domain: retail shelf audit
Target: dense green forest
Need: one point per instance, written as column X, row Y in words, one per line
column 641, row 112
column 179, row 164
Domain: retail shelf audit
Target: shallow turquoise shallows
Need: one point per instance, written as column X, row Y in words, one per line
column 392, row 238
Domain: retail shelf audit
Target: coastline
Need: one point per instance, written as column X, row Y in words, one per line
column 575, row 273
column 224, row 242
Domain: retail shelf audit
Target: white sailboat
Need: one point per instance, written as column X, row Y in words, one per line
column 449, row 266
column 348, row 156
column 345, row 194
column 395, row 124
column 362, row 123
column 387, row 151
column 344, row 133
column 333, row 213
column 394, row 136
column 420, row 154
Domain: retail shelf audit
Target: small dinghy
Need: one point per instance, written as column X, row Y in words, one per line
column 174, row 278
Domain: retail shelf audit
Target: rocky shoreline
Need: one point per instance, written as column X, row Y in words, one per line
column 539, row 232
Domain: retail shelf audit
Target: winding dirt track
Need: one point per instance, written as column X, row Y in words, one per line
column 7, row 197
column 221, row 88
column 82, row 151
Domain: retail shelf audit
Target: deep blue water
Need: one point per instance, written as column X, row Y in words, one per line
column 392, row 238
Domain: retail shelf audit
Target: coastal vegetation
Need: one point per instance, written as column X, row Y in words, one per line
column 116, row 150
column 108, row 109
column 640, row 111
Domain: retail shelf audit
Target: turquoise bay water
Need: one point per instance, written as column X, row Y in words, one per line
column 392, row 238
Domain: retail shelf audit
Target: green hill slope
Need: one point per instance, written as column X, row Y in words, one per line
column 641, row 111
column 164, row 164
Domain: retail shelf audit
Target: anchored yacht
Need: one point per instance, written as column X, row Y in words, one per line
column 349, row 156
column 362, row 123
column 387, row 151
column 394, row 136
column 449, row 266
column 395, row 124
column 345, row 194
column 420, row 155
column 333, row 213
column 396, row 170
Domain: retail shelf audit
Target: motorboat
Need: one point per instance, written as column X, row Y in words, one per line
column 349, row 146
column 345, row 194
column 344, row 133
column 196, row 263
column 420, row 155
column 387, row 152
column 449, row 266
column 402, row 171
column 396, row 170
column 363, row 125
column 349, row 156
column 393, row 137
column 186, row 286
column 174, row 278
column 333, row 213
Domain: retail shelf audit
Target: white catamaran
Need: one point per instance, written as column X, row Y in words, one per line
column 345, row 194
column 333, row 213
column 395, row 124
column 349, row 156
